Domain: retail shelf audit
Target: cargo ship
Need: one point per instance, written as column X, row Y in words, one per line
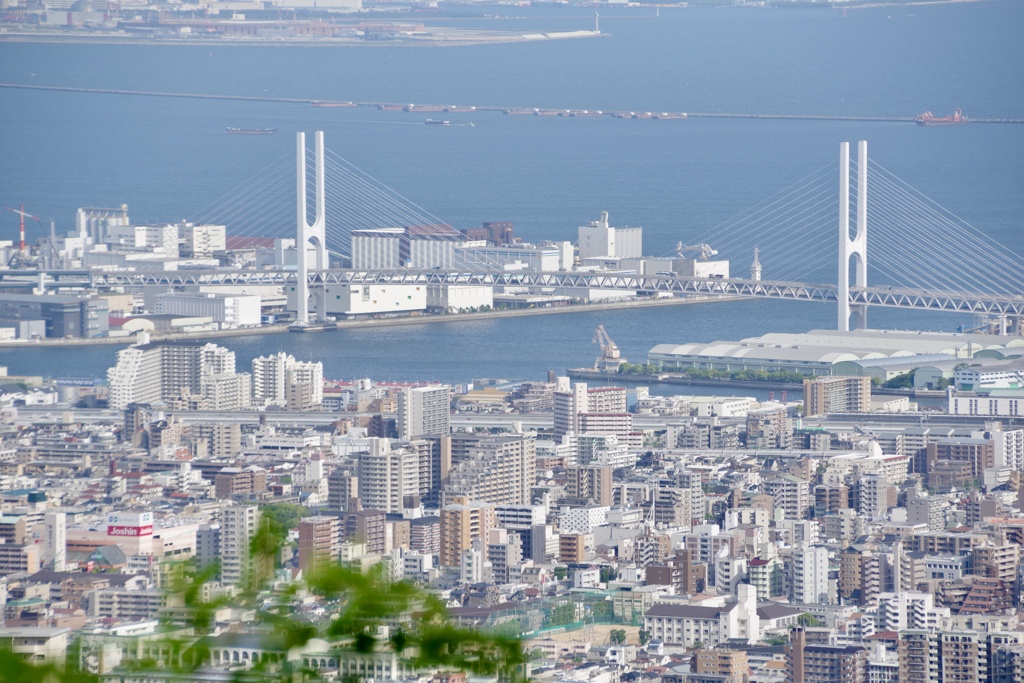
column 929, row 119
column 390, row 107
column 519, row 112
column 669, row 115
column 437, row 122
column 252, row 131
column 429, row 108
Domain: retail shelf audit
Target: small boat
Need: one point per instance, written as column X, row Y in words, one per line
column 437, row 122
column 252, row 131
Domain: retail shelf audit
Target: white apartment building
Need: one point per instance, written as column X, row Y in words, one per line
column 570, row 402
column 226, row 391
column 273, row 375
column 689, row 624
column 424, row 411
column 386, row 476
column 158, row 372
column 238, row 525
column 603, row 449
column 910, row 610
column 810, row 576
column 792, row 495
column 520, row 516
column 499, row 470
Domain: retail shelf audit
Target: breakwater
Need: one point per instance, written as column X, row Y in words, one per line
column 469, row 109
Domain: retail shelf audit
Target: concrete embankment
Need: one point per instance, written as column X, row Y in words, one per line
column 379, row 322
column 664, row 378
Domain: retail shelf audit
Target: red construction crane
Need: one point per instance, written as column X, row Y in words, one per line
column 21, row 212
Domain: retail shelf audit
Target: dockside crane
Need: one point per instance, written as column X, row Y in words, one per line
column 609, row 360
column 700, row 251
column 20, row 256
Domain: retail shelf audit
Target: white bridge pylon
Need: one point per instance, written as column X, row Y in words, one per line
column 855, row 249
column 309, row 235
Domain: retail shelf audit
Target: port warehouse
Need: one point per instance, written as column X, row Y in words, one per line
column 881, row 353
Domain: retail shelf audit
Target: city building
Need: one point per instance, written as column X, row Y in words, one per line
column 424, row 412
column 158, row 372
column 319, row 538
column 462, row 523
column 823, row 395
column 813, row 663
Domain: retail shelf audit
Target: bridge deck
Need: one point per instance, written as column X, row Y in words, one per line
column 794, row 291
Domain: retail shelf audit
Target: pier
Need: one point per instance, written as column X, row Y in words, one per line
column 470, row 109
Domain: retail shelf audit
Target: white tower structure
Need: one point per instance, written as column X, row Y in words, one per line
column 309, row 233
column 755, row 267
column 856, row 248
column 56, row 541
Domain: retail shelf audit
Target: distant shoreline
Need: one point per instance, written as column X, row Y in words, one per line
column 372, row 322
column 460, row 39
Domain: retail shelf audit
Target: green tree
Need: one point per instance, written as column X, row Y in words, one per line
column 645, row 637
column 617, row 636
column 809, row 620
column 561, row 572
column 562, row 614
column 361, row 602
column 284, row 516
column 904, row 381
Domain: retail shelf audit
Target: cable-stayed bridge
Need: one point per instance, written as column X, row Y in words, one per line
column 899, row 250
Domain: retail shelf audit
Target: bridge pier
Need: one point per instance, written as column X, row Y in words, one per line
column 309, row 234
column 855, row 249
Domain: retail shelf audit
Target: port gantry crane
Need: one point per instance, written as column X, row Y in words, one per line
column 609, row 360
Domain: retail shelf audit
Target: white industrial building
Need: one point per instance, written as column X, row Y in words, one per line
column 458, row 298
column 230, row 310
column 997, row 403
column 549, row 257
column 597, row 239
column 1002, row 376
column 161, row 239
column 366, row 299
column 829, row 352
column 201, row 240
column 376, row 249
